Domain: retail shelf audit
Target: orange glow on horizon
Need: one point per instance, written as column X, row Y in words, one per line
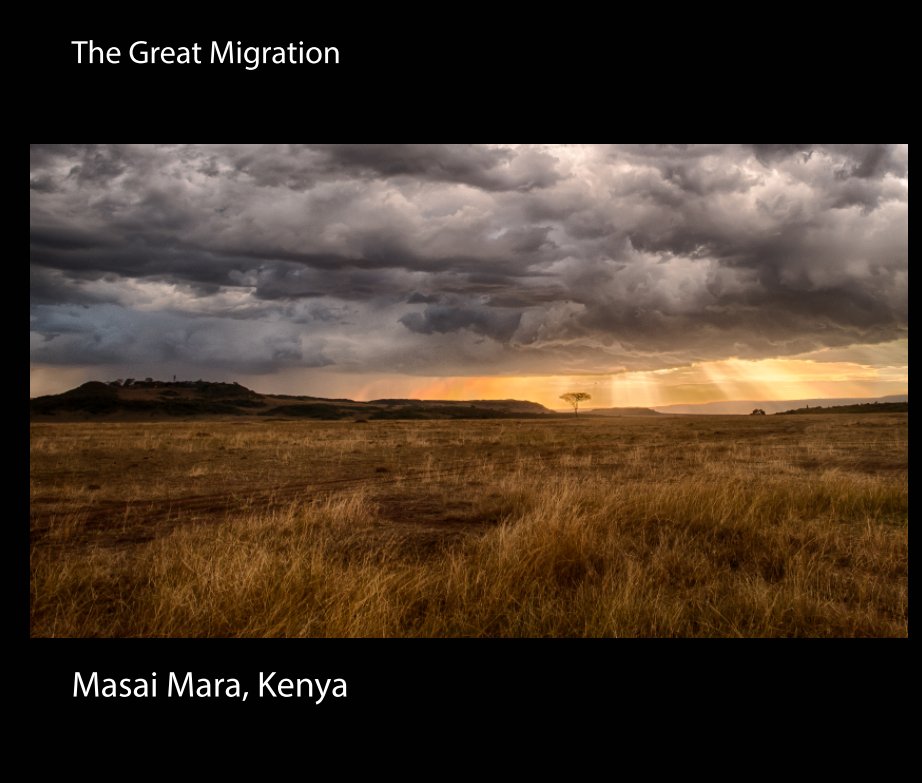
column 729, row 379
column 858, row 371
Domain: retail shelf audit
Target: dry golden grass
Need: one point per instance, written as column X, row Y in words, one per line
column 672, row 526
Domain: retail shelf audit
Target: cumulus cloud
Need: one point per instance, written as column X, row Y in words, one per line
column 463, row 258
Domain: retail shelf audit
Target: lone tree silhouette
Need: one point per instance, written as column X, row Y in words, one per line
column 575, row 398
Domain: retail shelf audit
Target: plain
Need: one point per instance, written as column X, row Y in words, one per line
column 625, row 526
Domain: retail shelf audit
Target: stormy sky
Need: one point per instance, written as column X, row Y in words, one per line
column 381, row 269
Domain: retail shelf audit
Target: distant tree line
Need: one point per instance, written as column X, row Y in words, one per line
column 150, row 383
column 864, row 407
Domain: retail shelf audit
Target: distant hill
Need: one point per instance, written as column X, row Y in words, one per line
column 772, row 406
column 623, row 412
column 866, row 407
column 151, row 399
column 507, row 406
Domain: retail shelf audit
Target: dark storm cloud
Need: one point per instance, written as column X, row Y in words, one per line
column 303, row 166
column 464, row 258
column 109, row 334
column 469, row 164
column 862, row 161
column 498, row 324
column 768, row 154
column 417, row 298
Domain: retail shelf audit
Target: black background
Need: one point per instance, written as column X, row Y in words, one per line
column 626, row 70
column 458, row 73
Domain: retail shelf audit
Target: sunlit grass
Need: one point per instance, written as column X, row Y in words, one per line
column 721, row 526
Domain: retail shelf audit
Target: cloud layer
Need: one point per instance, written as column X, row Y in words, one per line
column 463, row 259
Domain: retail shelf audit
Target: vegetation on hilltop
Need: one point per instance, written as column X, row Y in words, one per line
column 152, row 399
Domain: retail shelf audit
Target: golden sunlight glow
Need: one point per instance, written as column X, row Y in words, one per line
column 729, row 379
column 857, row 371
column 764, row 379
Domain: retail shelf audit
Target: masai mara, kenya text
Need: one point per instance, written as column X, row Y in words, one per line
column 185, row 685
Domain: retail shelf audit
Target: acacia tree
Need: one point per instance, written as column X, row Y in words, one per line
column 574, row 399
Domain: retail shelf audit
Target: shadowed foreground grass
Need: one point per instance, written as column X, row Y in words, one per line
column 725, row 527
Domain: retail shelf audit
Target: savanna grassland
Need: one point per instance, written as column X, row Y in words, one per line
column 629, row 526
